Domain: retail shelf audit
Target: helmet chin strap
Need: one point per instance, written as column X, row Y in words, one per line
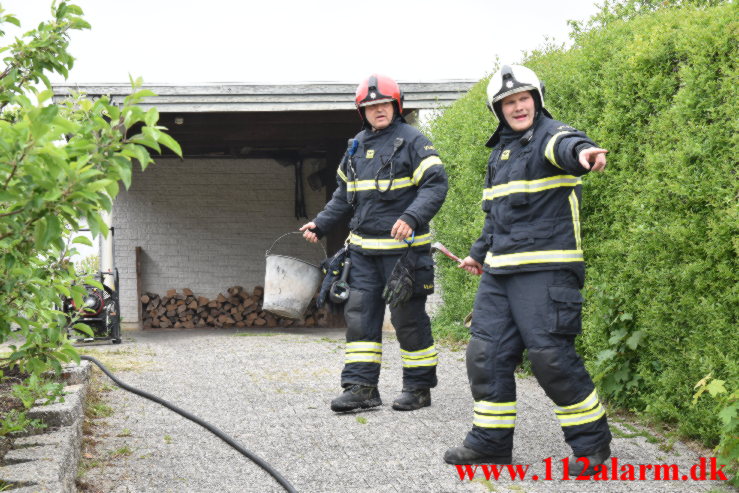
column 528, row 135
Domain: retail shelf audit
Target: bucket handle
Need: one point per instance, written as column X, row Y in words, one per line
column 269, row 251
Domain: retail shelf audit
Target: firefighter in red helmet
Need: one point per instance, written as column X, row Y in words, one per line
column 391, row 182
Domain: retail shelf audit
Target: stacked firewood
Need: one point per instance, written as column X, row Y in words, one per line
column 236, row 308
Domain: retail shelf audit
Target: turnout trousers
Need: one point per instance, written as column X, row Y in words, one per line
column 365, row 312
column 539, row 311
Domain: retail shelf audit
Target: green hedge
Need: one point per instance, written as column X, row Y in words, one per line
column 660, row 225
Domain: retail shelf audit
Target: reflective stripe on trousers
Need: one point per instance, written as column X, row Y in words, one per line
column 363, row 352
column 424, row 357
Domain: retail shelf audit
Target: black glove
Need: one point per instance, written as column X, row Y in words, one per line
column 399, row 287
column 331, row 267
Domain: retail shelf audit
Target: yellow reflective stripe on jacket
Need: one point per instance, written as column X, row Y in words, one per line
column 341, row 175
column 530, row 186
column 575, row 207
column 539, row 257
column 494, row 414
column 363, row 352
column 364, row 185
column 549, row 150
column 424, row 357
column 585, row 411
column 386, row 243
column 423, row 166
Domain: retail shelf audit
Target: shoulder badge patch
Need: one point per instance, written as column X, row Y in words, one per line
column 506, row 154
column 370, row 153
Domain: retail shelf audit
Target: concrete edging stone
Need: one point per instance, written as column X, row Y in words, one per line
column 47, row 462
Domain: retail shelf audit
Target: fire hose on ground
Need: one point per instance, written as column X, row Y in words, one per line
column 233, row 443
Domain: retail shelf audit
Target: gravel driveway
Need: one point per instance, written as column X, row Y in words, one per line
column 270, row 390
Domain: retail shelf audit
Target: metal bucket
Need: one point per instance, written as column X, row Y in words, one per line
column 289, row 283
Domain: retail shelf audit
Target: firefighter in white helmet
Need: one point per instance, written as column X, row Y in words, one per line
column 531, row 261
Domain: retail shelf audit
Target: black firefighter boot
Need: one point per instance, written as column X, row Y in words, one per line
column 583, row 468
column 356, row 397
column 464, row 455
column 410, row 400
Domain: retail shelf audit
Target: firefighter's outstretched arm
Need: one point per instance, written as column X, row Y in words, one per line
column 593, row 158
column 573, row 151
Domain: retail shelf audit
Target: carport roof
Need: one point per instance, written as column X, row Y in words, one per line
column 246, row 97
column 264, row 120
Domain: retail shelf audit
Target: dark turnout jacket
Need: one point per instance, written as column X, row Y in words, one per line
column 390, row 174
column 532, row 199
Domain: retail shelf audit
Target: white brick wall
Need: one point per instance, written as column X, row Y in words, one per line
column 205, row 224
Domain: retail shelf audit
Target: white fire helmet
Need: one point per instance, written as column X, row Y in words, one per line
column 511, row 79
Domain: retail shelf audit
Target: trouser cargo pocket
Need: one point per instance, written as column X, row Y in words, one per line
column 424, row 276
column 567, row 304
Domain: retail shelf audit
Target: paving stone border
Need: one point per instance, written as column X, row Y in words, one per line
column 47, row 462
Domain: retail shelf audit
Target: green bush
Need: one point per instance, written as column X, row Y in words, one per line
column 659, row 90
column 459, row 135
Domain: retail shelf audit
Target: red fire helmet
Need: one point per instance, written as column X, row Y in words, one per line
column 379, row 89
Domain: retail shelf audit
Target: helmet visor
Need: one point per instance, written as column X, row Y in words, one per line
column 377, row 101
column 515, row 88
